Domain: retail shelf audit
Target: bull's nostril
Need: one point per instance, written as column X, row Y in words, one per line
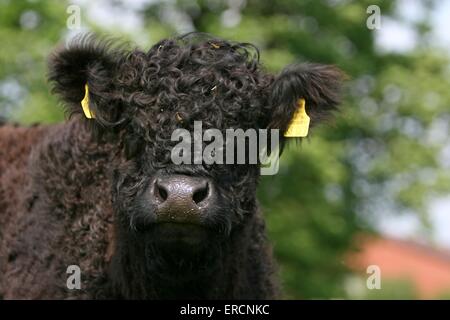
column 201, row 194
column 161, row 192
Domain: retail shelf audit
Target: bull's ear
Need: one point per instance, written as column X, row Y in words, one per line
column 82, row 72
column 303, row 94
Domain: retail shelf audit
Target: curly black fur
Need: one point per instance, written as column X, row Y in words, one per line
column 78, row 191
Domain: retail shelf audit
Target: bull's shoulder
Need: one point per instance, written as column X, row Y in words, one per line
column 16, row 144
column 68, row 212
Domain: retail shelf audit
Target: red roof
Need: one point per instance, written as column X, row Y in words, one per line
column 427, row 267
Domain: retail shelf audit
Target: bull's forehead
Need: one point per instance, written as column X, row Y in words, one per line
column 174, row 84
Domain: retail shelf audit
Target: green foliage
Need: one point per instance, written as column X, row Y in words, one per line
column 380, row 154
column 394, row 290
column 444, row 296
column 28, row 30
column 391, row 289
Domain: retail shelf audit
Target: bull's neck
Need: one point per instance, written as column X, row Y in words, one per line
column 137, row 274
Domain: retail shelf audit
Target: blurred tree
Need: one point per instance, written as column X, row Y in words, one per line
column 381, row 154
column 28, row 31
column 391, row 289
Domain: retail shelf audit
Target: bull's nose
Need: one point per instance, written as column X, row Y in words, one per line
column 180, row 198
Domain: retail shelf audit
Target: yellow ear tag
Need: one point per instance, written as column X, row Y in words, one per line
column 299, row 125
column 85, row 104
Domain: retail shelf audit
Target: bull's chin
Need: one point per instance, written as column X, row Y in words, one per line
column 180, row 252
column 178, row 234
column 180, row 241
